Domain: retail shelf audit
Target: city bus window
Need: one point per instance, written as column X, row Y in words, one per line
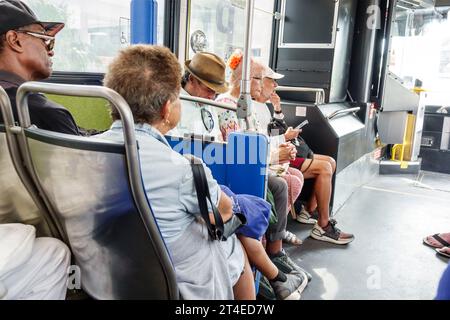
column 218, row 26
column 420, row 51
column 95, row 31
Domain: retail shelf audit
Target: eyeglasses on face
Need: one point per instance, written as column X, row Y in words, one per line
column 273, row 81
column 49, row 41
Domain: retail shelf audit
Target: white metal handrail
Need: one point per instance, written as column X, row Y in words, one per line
column 320, row 93
column 213, row 103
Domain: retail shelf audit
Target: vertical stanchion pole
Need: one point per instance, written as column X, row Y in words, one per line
column 244, row 109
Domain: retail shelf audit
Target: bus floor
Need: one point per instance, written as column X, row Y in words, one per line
column 387, row 260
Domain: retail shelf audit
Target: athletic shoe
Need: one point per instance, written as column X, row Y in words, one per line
column 306, row 217
column 286, row 265
column 294, row 266
column 331, row 234
column 265, row 291
column 292, row 288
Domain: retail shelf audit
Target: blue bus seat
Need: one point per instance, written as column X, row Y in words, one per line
column 247, row 163
column 212, row 153
column 240, row 164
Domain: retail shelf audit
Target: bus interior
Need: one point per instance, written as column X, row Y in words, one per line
column 370, row 76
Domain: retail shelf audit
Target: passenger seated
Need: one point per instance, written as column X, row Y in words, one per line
column 444, row 286
column 204, row 77
column 281, row 152
column 440, row 242
column 31, row 268
column 285, row 286
column 261, row 111
column 148, row 77
column 278, row 183
column 26, row 49
column 444, row 251
column 321, row 168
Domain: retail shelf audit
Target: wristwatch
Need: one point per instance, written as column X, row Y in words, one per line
column 278, row 112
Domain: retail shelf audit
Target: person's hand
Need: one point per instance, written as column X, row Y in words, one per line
column 291, row 133
column 293, row 153
column 285, row 152
column 275, row 101
column 232, row 126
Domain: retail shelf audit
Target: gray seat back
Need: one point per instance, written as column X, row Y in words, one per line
column 19, row 199
column 97, row 195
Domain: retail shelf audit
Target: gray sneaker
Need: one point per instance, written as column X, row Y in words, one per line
column 285, row 264
column 265, row 291
column 292, row 288
column 295, row 267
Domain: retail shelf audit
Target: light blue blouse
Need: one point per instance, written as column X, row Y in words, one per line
column 168, row 180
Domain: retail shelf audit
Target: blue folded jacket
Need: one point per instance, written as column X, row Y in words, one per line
column 255, row 209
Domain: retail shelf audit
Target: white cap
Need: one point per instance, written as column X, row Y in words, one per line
column 269, row 73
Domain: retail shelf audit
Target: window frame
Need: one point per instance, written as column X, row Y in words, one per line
column 170, row 40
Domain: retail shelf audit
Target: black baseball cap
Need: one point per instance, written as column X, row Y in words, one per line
column 15, row 14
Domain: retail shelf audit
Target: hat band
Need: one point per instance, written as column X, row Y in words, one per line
column 220, row 82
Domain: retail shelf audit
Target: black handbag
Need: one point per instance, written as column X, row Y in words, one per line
column 219, row 230
column 279, row 126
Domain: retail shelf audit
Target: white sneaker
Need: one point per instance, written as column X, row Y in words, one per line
column 331, row 234
column 306, row 217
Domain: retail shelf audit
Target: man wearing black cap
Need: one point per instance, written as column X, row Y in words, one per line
column 26, row 49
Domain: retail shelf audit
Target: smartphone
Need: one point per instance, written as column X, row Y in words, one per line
column 301, row 125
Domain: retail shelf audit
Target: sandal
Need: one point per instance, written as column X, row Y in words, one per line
column 444, row 251
column 437, row 238
column 291, row 238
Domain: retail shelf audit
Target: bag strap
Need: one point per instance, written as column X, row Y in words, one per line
column 291, row 197
column 201, row 186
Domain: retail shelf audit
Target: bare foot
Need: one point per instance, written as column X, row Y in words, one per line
column 445, row 251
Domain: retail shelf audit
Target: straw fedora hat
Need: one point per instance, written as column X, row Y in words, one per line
column 209, row 69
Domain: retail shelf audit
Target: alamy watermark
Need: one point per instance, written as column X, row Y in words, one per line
column 74, row 277
column 374, row 17
column 241, row 150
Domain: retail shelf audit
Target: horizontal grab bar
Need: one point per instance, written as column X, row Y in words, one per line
column 342, row 112
column 299, row 89
column 320, row 93
column 208, row 102
column 214, row 104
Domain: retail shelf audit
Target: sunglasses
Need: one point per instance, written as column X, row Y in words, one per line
column 208, row 120
column 49, row 41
